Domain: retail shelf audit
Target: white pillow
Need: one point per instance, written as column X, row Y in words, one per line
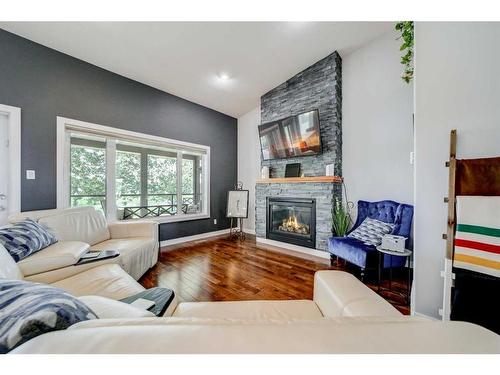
column 106, row 308
column 370, row 231
column 8, row 267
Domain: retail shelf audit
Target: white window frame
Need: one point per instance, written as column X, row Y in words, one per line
column 14, row 138
column 66, row 125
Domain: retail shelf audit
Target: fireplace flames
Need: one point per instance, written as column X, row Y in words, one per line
column 292, row 224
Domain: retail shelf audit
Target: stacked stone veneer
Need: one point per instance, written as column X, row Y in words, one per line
column 317, row 87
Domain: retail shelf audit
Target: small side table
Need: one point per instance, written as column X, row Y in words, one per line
column 407, row 254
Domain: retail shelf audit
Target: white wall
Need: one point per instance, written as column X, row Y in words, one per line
column 249, row 160
column 377, row 108
column 376, row 125
column 457, row 86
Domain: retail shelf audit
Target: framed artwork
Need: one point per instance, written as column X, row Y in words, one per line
column 237, row 204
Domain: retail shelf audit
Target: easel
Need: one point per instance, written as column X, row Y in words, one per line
column 236, row 231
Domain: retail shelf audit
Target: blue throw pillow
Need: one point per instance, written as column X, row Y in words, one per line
column 25, row 238
column 30, row 309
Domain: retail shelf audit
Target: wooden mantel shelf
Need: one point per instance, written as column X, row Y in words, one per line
column 295, row 180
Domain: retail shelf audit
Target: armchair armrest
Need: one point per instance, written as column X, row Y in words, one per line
column 134, row 229
column 339, row 293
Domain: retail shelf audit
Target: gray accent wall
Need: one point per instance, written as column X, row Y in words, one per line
column 45, row 84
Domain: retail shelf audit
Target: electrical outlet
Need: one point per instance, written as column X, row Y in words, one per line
column 412, row 158
column 215, row 221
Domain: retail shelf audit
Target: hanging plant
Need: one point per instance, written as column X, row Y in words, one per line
column 407, row 36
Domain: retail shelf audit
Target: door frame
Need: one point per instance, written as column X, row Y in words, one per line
column 14, row 188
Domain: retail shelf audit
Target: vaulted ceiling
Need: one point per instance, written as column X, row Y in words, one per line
column 226, row 66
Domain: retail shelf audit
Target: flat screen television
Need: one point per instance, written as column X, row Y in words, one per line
column 291, row 137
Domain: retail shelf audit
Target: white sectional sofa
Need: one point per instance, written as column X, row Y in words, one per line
column 344, row 317
column 84, row 229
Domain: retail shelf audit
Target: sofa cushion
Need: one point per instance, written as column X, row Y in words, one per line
column 106, row 308
column 339, row 293
column 37, row 215
column 254, row 310
column 8, row 267
column 137, row 254
column 87, row 226
column 370, row 231
column 59, row 255
column 31, row 309
column 108, row 280
column 315, row 337
column 25, row 238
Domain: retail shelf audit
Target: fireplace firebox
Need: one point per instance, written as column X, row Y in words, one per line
column 292, row 220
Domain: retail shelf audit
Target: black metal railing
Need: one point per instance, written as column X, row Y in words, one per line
column 165, row 209
column 151, row 210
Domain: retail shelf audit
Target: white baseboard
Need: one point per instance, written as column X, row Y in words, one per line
column 299, row 249
column 201, row 236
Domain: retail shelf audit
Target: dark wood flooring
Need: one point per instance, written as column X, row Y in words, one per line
column 219, row 269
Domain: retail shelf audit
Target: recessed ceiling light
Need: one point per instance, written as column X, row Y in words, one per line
column 223, row 76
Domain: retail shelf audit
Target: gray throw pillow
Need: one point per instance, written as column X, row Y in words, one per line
column 30, row 309
column 370, row 231
column 25, row 238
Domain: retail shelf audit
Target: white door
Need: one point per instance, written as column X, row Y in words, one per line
column 4, row 168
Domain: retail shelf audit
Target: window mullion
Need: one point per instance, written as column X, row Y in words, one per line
column 179, row 183
column 66, row 195
column 111, row 179
column 144, row 178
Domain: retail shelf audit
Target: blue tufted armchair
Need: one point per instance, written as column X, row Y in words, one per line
column 366, row 256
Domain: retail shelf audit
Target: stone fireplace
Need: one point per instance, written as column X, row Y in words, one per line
column 295, row 195
column 317, row 87
column 292, row 220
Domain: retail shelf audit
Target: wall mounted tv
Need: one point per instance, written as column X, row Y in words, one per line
column 291, row 137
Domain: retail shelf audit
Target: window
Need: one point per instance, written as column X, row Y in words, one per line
column 88, row 173
column 131, row 175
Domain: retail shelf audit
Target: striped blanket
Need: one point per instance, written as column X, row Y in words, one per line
column 477, row 239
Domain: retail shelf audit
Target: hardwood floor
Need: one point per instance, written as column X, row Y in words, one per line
column 219, row 269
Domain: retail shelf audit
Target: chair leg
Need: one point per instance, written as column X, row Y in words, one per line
column 334, row 260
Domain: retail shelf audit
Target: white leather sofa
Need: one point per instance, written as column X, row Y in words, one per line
column 344, row 317
column 84, row 229
column 107, row 280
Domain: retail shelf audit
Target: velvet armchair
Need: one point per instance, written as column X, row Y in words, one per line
column 366, row 256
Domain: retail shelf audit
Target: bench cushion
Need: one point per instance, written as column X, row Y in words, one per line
column 362, row 255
